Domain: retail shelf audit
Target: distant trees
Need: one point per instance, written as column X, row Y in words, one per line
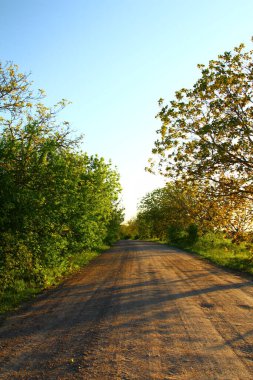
column 183, row 211
column 55, row 200
column 129, row 229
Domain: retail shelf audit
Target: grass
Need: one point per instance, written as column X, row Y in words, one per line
column 223, row 251
column 21, row 291
column 10, row 299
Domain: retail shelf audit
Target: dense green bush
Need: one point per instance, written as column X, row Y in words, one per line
column 176, row 233
column 192, row 233
column 56, row 201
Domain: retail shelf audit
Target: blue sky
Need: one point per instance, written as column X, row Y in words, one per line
column 113, row 59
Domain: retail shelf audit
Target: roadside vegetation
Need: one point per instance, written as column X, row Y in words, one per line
column 205, row 151
column 59, row 206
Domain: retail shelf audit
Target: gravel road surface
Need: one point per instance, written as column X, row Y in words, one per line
column 139, row 311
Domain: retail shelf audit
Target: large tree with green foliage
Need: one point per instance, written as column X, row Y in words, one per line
column 207, row 131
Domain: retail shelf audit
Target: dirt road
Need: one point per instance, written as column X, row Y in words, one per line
column 139, row 311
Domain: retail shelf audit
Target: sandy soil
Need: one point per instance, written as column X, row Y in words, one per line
column 139, row 311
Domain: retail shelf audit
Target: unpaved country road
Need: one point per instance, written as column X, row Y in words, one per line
column 139, row 311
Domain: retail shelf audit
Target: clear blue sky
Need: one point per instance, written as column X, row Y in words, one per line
column 114, row 59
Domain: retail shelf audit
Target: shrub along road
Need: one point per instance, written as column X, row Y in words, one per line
column 139, row 311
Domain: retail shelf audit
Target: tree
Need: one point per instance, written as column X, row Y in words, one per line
column 152, row 217
column 15, row 90
column 114, row 225
column 55, row 200
column 129, row 229
column 207, row 131
column 181, row 208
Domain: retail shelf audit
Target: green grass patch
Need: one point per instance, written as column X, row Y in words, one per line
column 11, row 298
column 21, row 291
column 222, row 251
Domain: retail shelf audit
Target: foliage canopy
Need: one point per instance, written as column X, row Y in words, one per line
column 55, row 199
column 207, row 131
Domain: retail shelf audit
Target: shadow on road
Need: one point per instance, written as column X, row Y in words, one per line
column 111, row 299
